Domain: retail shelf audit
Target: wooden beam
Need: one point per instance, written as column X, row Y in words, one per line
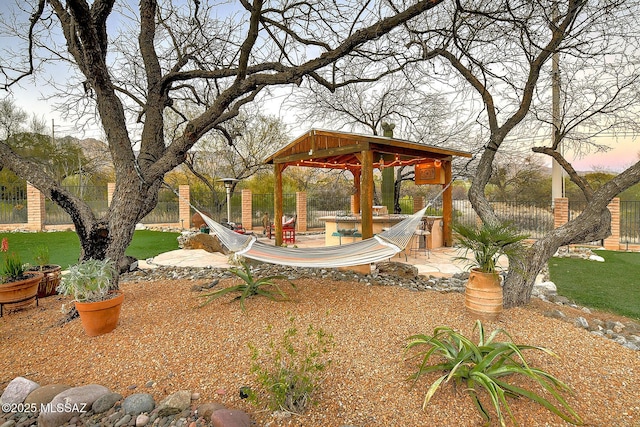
column 356, row 184
column 322, row 154
column 447, row 206
column 277, row 203
column 366, row 200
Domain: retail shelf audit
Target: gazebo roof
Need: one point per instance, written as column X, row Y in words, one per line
column 341, row 150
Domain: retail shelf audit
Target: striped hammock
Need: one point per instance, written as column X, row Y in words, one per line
column 380, row 247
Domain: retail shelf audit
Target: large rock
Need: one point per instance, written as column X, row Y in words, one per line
column 230, row 418
column 197, row 221
column 545, row 288
column 70, row 403
column 106, row 402
column 398, row 269
column 18, row 390
column 207, row 409
column 208, row 242
column 174, row 403
column 138, row 403
column 45, row 394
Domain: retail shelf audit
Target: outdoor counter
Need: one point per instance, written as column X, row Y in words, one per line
column 347, row 229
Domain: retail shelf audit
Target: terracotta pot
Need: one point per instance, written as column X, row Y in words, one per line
column 100, row 317
column 21, row 293
column 483, row 295
column 50, row 281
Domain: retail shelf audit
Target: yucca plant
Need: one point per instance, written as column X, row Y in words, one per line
column 251, row 287
column 485, row 366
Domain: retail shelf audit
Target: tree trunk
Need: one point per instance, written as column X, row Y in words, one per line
column 589, row 226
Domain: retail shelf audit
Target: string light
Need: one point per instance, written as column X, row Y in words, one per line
column 379, row 165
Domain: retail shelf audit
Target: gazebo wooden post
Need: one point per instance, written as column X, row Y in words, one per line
column 447, row 206
column 277, row 202
column 366, row 200
column 356, row 184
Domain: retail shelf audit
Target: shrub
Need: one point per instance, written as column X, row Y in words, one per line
column 485, row 365
column 250, row 287
column 89, row 280
column 293, row 369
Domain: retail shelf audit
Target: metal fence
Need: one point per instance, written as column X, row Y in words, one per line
column 13, row 204
column 528, row 217
column 94, row 196
column 215, row 204
column 262, row 203
column 318, row 207
column 166, row 211
column 630, row 222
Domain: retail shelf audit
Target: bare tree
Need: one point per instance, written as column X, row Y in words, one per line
column 417, row 112
column 500, row 50
column 249, row 139
column 202, row 57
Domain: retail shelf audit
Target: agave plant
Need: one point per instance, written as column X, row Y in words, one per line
column 251, row 287
column 485, row 366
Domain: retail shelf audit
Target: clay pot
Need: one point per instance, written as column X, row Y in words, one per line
column 483, row 295
column 50, row 281
column 100, row 317
column 20, row 293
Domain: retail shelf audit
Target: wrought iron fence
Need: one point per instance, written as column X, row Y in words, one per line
column 528, row 218
column 166, row 211
column 216, row 205
column 630, row 222
column 262, row 203
column 328, row 206
column 13, row 204
column 95, row 196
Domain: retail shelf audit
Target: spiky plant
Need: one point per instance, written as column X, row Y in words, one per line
column 487, row 242
column 485, row 366
column 251, row 286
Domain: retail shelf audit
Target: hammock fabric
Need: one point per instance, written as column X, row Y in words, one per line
column 378, row 248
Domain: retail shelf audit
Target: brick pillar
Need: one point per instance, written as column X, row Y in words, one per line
column 612, row 243
column 111, row 188
column 35, row 208
column 184, row 206
column 418, row 203
column 560, row 212
column 247, row 209
column 301, row 211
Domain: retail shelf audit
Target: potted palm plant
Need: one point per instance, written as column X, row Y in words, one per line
column 89, row 283
column 18, row 288
column 52, row 272
column 483, row 293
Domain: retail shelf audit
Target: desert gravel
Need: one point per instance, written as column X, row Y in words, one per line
column 165, row 343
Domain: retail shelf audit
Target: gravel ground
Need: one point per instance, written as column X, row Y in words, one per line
column 166, row 341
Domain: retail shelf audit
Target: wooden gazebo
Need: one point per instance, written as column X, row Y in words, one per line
column 360, row 154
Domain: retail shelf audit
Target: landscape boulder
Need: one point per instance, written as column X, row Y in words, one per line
column 18, row 390
column 45, row 394
column 208, row 242
column 70, row 403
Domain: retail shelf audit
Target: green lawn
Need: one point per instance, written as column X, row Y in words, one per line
column 64, row 246
column 613, row 285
